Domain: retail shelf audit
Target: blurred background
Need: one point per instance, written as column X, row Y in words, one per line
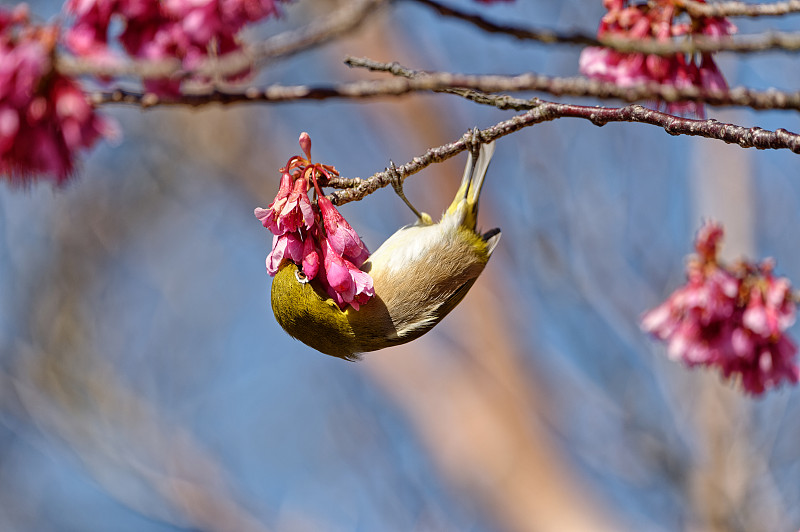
column 145, row 385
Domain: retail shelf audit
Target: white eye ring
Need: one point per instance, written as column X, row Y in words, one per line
column 300, row 276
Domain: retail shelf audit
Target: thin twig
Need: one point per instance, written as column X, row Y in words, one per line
column 357, row 188
column 281, row 46
column 519, row 32
column 117, row 67
column 543, row 111
column 745, row 137
column 745, row 44
column 697, row 44
column 332, row 25
column 739, row 9
column 434, row 81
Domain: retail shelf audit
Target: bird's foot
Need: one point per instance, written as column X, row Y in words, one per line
column 397, row 185
column 473, row 142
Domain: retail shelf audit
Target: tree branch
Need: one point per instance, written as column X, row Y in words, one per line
column 697, row 44
column 739, row 9
column 334, row 24
column 745, row 137
column 434, row 81
column 519, row 32
column 357, row 188
column 352, row 14
column 745, row 44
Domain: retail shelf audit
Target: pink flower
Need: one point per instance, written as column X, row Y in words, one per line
column 774, row 364
column 44, row 116
column 290, row 210
column 240, row 12
column 297, row 211
column 708, row 240
column 610, row 65
column 269, row 216
column 342, row 237
column 655, row 20
column 770, row 310
column 717, row 27
column 88, row 36
column 290, row 246
column 710, row 76
column 734, row 319
column 310, row 263
column 304, row 233
column 345, row 283
column 188, row 30
column 287, row 246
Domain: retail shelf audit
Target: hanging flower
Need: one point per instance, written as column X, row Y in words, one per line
column 287, row 246
column 187, row 30
column 269, row 217
column 732, row 318
column 315, row 237
column 342, row 237
column 297, row 211
column 655, row 20
column 310, row 262
column 45, row 118
column 345, row 283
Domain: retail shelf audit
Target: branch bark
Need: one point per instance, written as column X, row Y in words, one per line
column 745, row 44
column 740, row 9
column 436, row 81
column 357, row 188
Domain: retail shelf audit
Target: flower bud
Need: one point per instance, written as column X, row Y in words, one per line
column 305, row 144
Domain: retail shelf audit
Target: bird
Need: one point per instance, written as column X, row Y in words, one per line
column 420, row 273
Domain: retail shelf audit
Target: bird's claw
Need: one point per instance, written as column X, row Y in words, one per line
column 473, row 142
column 397, row 184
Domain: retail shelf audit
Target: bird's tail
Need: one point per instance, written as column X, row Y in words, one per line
column 471, row 184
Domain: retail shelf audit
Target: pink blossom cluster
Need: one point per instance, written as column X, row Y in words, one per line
column 316, row 237
column 656, row 20
column 189, row 30
column 44, row 116
column 732, row 318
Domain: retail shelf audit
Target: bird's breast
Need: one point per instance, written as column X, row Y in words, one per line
column 422, row 271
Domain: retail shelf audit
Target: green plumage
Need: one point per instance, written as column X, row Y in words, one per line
column 419, row 275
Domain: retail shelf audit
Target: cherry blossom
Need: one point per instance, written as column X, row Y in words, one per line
column 189, row 30
column 269, row 216
column 286, row 246
column 655, row 20
column 297, row 211
column 315, row 236
column 310, row 262
column 44, row 116
column 733, row 318
column 341, row 236
column 345, row 283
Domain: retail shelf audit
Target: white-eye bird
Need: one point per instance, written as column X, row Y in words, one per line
column 419, row 275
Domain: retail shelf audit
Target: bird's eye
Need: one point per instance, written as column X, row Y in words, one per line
column 300, row 276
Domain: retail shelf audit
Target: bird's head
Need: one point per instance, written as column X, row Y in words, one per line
column 306, row 312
